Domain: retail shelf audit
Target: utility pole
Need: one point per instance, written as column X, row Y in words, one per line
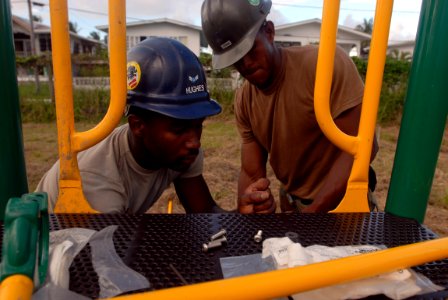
column 33, row 46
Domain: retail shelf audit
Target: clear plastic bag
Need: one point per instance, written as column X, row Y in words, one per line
column 114, row 276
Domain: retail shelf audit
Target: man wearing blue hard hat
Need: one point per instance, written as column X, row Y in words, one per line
column 167, row 102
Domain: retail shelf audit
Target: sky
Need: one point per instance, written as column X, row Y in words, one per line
column 89, row 13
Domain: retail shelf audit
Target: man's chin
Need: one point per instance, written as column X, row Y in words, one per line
column 184, row 163
column 180, row 167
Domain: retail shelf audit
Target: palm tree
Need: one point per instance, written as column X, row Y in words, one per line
column 37, row 18
column 73, row 27
column 94, row 35
column 366, row 27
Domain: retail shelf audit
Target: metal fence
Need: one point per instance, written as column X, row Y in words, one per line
column 103, row 82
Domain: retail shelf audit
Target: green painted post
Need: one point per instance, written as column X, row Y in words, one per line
column 424, row 116
column 13, row 182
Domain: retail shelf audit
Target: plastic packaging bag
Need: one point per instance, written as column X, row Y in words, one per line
column 64, row 246
column 396, row 285
column 54, row 292
column 244, row 265
column 114, row 276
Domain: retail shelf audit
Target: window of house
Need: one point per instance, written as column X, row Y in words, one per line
column 76, row 48
column 131, row 41
column 44, row 44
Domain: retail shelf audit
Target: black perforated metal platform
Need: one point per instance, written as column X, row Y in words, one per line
column 150, row 243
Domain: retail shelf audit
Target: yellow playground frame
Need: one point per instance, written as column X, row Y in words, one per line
column 260, row 286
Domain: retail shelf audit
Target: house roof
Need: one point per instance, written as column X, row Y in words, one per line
column 319, row 22
column 24, row 26
column 154, row 21
column 402, row 44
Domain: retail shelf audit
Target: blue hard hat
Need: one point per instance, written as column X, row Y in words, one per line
column 164, row 76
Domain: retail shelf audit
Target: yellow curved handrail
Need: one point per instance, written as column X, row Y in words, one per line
column 360, row 146
column 71, row 198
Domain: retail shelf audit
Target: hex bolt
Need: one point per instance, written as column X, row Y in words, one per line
column 219, row 234
column 211, row 245
column 258, row 237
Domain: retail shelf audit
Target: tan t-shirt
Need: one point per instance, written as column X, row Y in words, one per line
column 113, row 181
column 282, row 120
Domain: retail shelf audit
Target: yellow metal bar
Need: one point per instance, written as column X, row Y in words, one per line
column 324, row 74
column 71, row 198
column 170, row 206
column 118, row 88
column 16, row 287
column 359, row 146
column 355, row 198
column 280, row 283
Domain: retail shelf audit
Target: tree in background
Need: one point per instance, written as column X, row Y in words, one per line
column 37, row 18
column 73, row 27
column 95, row 35
column 366, row 27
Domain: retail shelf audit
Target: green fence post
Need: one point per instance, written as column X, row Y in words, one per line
column 424, row 116
column 13, row 182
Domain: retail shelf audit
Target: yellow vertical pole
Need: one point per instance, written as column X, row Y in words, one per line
column 359, row 146
column 71, row 198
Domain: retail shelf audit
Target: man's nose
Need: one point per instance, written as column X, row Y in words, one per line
column 193, row 141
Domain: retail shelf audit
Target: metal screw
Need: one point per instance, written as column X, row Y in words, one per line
column 219, row 234
column 212, row 244
column 223, row 240
column 258, row 237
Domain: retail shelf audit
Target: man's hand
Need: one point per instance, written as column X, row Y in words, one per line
column 257, row 198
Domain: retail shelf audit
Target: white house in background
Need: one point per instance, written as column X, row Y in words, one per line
column 402, row 47
column 187, row 34
column 22, row 39
column 308, row 32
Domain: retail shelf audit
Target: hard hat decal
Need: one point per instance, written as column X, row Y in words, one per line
column 226, row 45
column 193, row 79
column 194, row 89
column 134, row 74
column 254, row 2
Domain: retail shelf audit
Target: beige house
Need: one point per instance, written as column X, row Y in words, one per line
column 187, row 34
column 308, row 32
column 42, row 33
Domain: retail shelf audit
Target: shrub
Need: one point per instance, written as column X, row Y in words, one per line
column 394, row 87
column 89, row 105
column 225, row 98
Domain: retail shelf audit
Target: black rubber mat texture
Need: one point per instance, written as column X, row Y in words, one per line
column 150, row 243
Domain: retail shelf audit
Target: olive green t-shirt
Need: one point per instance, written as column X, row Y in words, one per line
column 282, row 119
column 113, row 182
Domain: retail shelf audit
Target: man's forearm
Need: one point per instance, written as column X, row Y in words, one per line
column 333, row 189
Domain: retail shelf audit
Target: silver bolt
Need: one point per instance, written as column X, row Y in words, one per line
column 258, row 237
column 211, row 245
column 219, row 234
column 223, row 240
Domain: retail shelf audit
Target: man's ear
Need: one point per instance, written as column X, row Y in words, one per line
column 269, row 29
column 136, row 124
